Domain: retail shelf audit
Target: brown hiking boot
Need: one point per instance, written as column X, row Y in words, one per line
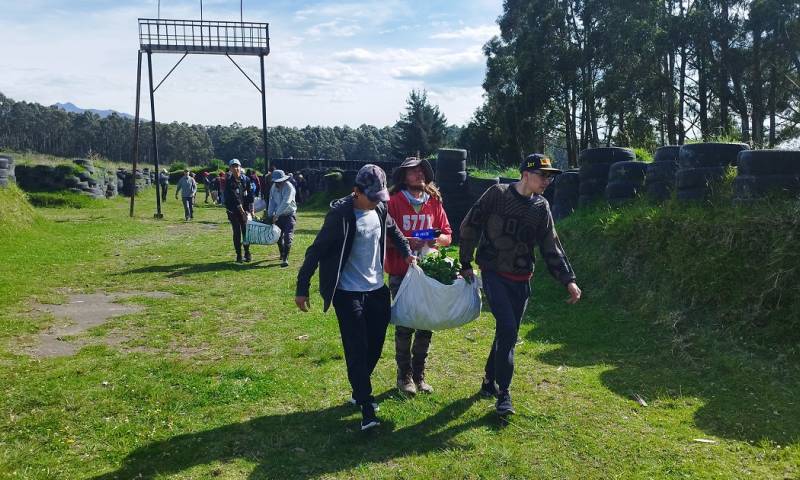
column 422, row 386
column 405, row 383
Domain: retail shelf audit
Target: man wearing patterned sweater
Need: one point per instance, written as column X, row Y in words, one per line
column 505, row 225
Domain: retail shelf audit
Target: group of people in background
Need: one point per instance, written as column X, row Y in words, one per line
column 371, row 231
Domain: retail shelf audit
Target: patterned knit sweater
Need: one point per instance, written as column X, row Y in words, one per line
column 505, row 227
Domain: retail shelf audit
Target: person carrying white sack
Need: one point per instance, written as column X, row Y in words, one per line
column 282, row 209
column 415, row 204
column 505, row 225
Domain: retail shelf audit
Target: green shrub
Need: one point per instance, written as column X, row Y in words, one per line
column 215, row 165
column 61, row 199
column 643, row 155
column 15, row 211
column 177, row 167
column 711, row 263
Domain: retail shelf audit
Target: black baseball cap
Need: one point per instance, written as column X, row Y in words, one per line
column 537, row 161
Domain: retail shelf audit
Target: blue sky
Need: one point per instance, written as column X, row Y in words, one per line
column 332, row 63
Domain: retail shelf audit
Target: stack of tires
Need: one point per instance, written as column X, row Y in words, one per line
column 451, row 178
column 594, row 166
column 702, row 167
column 766, row 172
column 625, row 181
column 565, row 196
column 508, row 180
column 477, row 186
column 659, row 180
column 7, row 170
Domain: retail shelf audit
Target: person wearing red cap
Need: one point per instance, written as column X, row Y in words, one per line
column 505, row 225
column 415, row 204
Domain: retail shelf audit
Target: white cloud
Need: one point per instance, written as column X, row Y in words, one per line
column 483, row 33
column 333, row 28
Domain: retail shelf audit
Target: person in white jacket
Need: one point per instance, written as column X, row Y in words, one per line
column 282, row 209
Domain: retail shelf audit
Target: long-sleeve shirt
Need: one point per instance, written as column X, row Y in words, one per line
column 187, row 187
column 505, row 227
column 281, row 200
column 430, row 215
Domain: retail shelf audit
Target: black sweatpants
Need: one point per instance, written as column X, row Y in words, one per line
column 363, row 319
column 238, row 225
column 507, row 300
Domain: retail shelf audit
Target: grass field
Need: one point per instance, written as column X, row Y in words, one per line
column 225, row 378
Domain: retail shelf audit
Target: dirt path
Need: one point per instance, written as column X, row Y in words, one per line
column 79, row 314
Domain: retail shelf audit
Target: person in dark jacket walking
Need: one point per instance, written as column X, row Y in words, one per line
column 505, row 225
column 163, row 180
column 349, row 250
column 238, row 203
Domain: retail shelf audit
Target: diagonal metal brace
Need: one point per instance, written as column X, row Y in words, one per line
column 246, row 76
column 170, row 72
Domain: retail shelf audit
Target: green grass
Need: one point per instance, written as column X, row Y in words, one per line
column 218, row 380
column 62, row 199
column 33, row 158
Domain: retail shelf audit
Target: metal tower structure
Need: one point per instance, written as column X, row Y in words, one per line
column 196, row 37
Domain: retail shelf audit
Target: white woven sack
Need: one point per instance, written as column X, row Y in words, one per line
column 259, row 205
column 426, row 304
column 258, row 233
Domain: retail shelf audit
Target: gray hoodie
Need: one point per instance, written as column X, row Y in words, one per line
column 281, row 200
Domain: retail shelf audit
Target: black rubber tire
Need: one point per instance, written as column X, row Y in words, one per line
column 700, row 155
column 605, row 155
column 699, row 177
column 458, row 176
column 4, row 181
column 587, row 200
column 509, row 180
column 4, row 163
column 692, row 194
column 594, row 170
column 667, row 153
column 567, row 178
column 567, row 191
column 661, row 172
column 479, row 185
column 621, row 190
column 659, row 190
column 756, row 186
column 451, row 160
column 592, row 187
column 3, row 173
column 631, row 172
column 769, row 162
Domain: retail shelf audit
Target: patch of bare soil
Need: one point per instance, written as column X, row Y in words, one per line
column 78, row 314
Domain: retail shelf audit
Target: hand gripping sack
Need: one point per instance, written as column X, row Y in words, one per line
column 258, row 233
column 426, row 304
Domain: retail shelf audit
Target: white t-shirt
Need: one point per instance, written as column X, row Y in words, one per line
column 363, row 271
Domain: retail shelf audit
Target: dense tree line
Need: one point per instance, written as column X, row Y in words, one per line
column 28, row 126
column 585, row 73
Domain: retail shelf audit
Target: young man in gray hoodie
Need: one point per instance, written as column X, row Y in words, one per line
column 282, row 209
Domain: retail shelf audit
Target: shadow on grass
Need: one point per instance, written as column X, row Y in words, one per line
column 301, row 444
column 182, row 269
column 746, row 395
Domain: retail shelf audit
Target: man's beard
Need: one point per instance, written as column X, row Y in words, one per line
column 416, row 188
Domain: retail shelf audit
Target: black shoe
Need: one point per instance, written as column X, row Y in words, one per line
column 368, row 418
column 247, row 257
column 488, row 388
column 504, row 406
column 238, row 259
column 284, row 263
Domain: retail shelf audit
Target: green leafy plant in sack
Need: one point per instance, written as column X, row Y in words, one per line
column 441, row 267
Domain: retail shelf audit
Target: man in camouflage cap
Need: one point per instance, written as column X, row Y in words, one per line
column 349, row 250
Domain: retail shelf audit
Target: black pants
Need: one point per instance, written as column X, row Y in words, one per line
column 164, row 189
column 507, row 300
column 363, row 319
column 238, row 225
column 410, row 346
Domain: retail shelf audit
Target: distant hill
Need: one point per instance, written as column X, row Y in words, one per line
column 71, row 107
